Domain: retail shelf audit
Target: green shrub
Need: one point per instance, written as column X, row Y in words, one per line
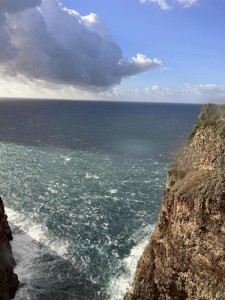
column 209, row 122
column 208, row 111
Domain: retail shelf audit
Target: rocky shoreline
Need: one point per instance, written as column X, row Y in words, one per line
column 8, row 280
column 185, row 258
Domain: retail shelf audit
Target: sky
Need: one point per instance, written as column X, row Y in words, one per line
column 123, row 50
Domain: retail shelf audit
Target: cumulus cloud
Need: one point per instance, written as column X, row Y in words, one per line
column 169, row 4
column 157, row 90
column 43, row 40
column 136, row 65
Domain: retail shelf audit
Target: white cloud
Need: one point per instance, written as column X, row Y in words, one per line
column 187, row 3
column 45, row 41
column 21, row 87
column 187, row 93
column 162, row 3
column 157, row 90
column 139, row 63
column 169, row 4
column 165, row 69
column 209, row 89
column 111, row 94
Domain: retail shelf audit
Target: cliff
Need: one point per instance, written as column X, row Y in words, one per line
column 185, row 258
column 8, row 280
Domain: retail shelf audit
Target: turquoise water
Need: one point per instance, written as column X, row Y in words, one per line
column 83, row 183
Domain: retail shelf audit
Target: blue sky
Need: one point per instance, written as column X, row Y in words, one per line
column 185, row 37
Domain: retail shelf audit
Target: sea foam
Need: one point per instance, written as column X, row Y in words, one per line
column 38, row 233
column 121, row 283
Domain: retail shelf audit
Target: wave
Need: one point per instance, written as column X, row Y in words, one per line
column 31, row 243
column 122, row 281
column 38, row 232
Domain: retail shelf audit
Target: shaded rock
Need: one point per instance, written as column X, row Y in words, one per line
column 8, row 280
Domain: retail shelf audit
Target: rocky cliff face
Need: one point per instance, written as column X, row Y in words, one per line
column 8, row 280
column 185, row 258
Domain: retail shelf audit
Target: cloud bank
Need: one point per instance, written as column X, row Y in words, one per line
column 210, row 89
column 169, row 4
column 189, row 93
column 42, row 40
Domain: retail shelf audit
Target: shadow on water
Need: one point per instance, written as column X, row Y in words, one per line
column 44, row 275
column 103, row 126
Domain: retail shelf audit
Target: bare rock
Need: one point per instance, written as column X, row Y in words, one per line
column 8, row 280
column 185, row 258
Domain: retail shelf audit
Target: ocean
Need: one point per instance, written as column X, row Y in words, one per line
column 82, row 182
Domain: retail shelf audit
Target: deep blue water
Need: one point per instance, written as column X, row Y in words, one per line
column 83, row 183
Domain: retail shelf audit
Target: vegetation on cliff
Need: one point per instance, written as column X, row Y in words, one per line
column 185, row 258
column 210, row 115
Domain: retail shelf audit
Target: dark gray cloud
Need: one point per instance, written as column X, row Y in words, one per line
column 13, row 6
column 59, row 45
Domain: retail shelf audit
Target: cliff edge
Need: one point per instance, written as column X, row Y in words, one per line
column 8, row 280
column 185, row 258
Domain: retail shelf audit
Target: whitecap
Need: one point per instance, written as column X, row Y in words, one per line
column 25, row 252
column 66, row 158
column 90, row 176
column 38, row 232
column 122, row 281
column 31, row 242
column 113, row 191
column 51, row 190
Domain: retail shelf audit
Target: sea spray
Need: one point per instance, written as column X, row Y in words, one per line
column 121, row 282
column 37, row 233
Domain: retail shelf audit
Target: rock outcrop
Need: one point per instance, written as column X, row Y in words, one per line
column 185, row 258
column 8, row 280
